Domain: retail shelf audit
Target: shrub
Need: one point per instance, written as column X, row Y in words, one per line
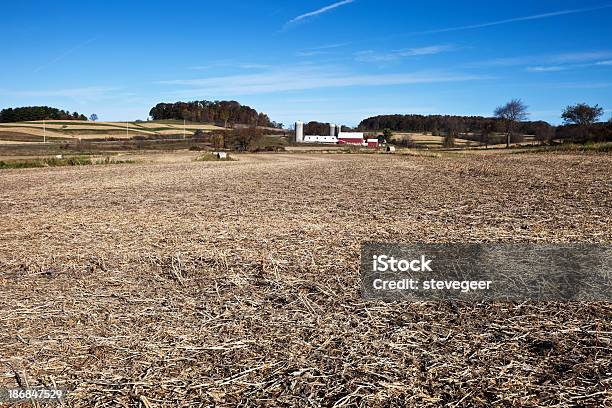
column 244, row 138
column 405, row 142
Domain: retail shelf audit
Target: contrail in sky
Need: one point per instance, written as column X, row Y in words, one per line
column 514, row 20
column 320, row 11
column 65, row 54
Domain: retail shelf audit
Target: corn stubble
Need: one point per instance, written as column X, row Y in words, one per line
column 237, row 283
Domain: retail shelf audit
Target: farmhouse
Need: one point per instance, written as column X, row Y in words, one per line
column 336, row 136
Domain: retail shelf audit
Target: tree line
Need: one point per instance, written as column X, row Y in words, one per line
column 28, row 113
column 580, row 125
column 226, row 113
column 440, row 125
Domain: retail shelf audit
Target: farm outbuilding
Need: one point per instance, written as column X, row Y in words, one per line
column 336, row 136
column 354, row 138
column 320, row 139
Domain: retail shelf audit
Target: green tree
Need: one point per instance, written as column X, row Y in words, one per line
column 582, row 115
column 28, row 113
column 387, row 135
column 246, row 138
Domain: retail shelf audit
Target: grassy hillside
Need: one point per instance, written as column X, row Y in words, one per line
column 68, row 130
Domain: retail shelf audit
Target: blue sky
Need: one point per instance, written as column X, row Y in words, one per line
column 338, row 61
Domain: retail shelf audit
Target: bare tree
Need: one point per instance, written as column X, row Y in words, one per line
column 449, row 140
column 511, row 113
column 583, row 116
column 488, row 128
column 218, row 141
column 225, row 115
column 453, row 128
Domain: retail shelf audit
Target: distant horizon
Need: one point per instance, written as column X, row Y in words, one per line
column 323, row 60
column 286, row 125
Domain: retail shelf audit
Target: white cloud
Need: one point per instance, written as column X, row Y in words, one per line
column 373, row 56
column 228, row 63
column 92, row 92
column 434, row 49
column 289, row 78
column 514, row 20
column 253, row 66
column 319, row 11
column 579, row 56
column 554, row 68
column 321, row 50
column 582, row 85
column 328, row 46
column 310, row 53
column 549, row 62
column 586, row 57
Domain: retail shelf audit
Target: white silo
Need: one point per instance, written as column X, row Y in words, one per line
column 332, row 129
column 299, row 132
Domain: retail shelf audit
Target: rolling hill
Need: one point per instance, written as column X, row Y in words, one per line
column 59, row 130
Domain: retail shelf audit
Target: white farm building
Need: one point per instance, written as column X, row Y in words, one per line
column 320, row 139
column 336, row 136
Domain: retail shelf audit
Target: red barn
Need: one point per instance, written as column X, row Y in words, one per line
column 353, row 138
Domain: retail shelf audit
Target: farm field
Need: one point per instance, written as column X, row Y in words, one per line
column 428, row 140
column 191, row 283
column 67, row 130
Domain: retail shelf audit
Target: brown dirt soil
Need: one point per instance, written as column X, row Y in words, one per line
column 236, row 283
